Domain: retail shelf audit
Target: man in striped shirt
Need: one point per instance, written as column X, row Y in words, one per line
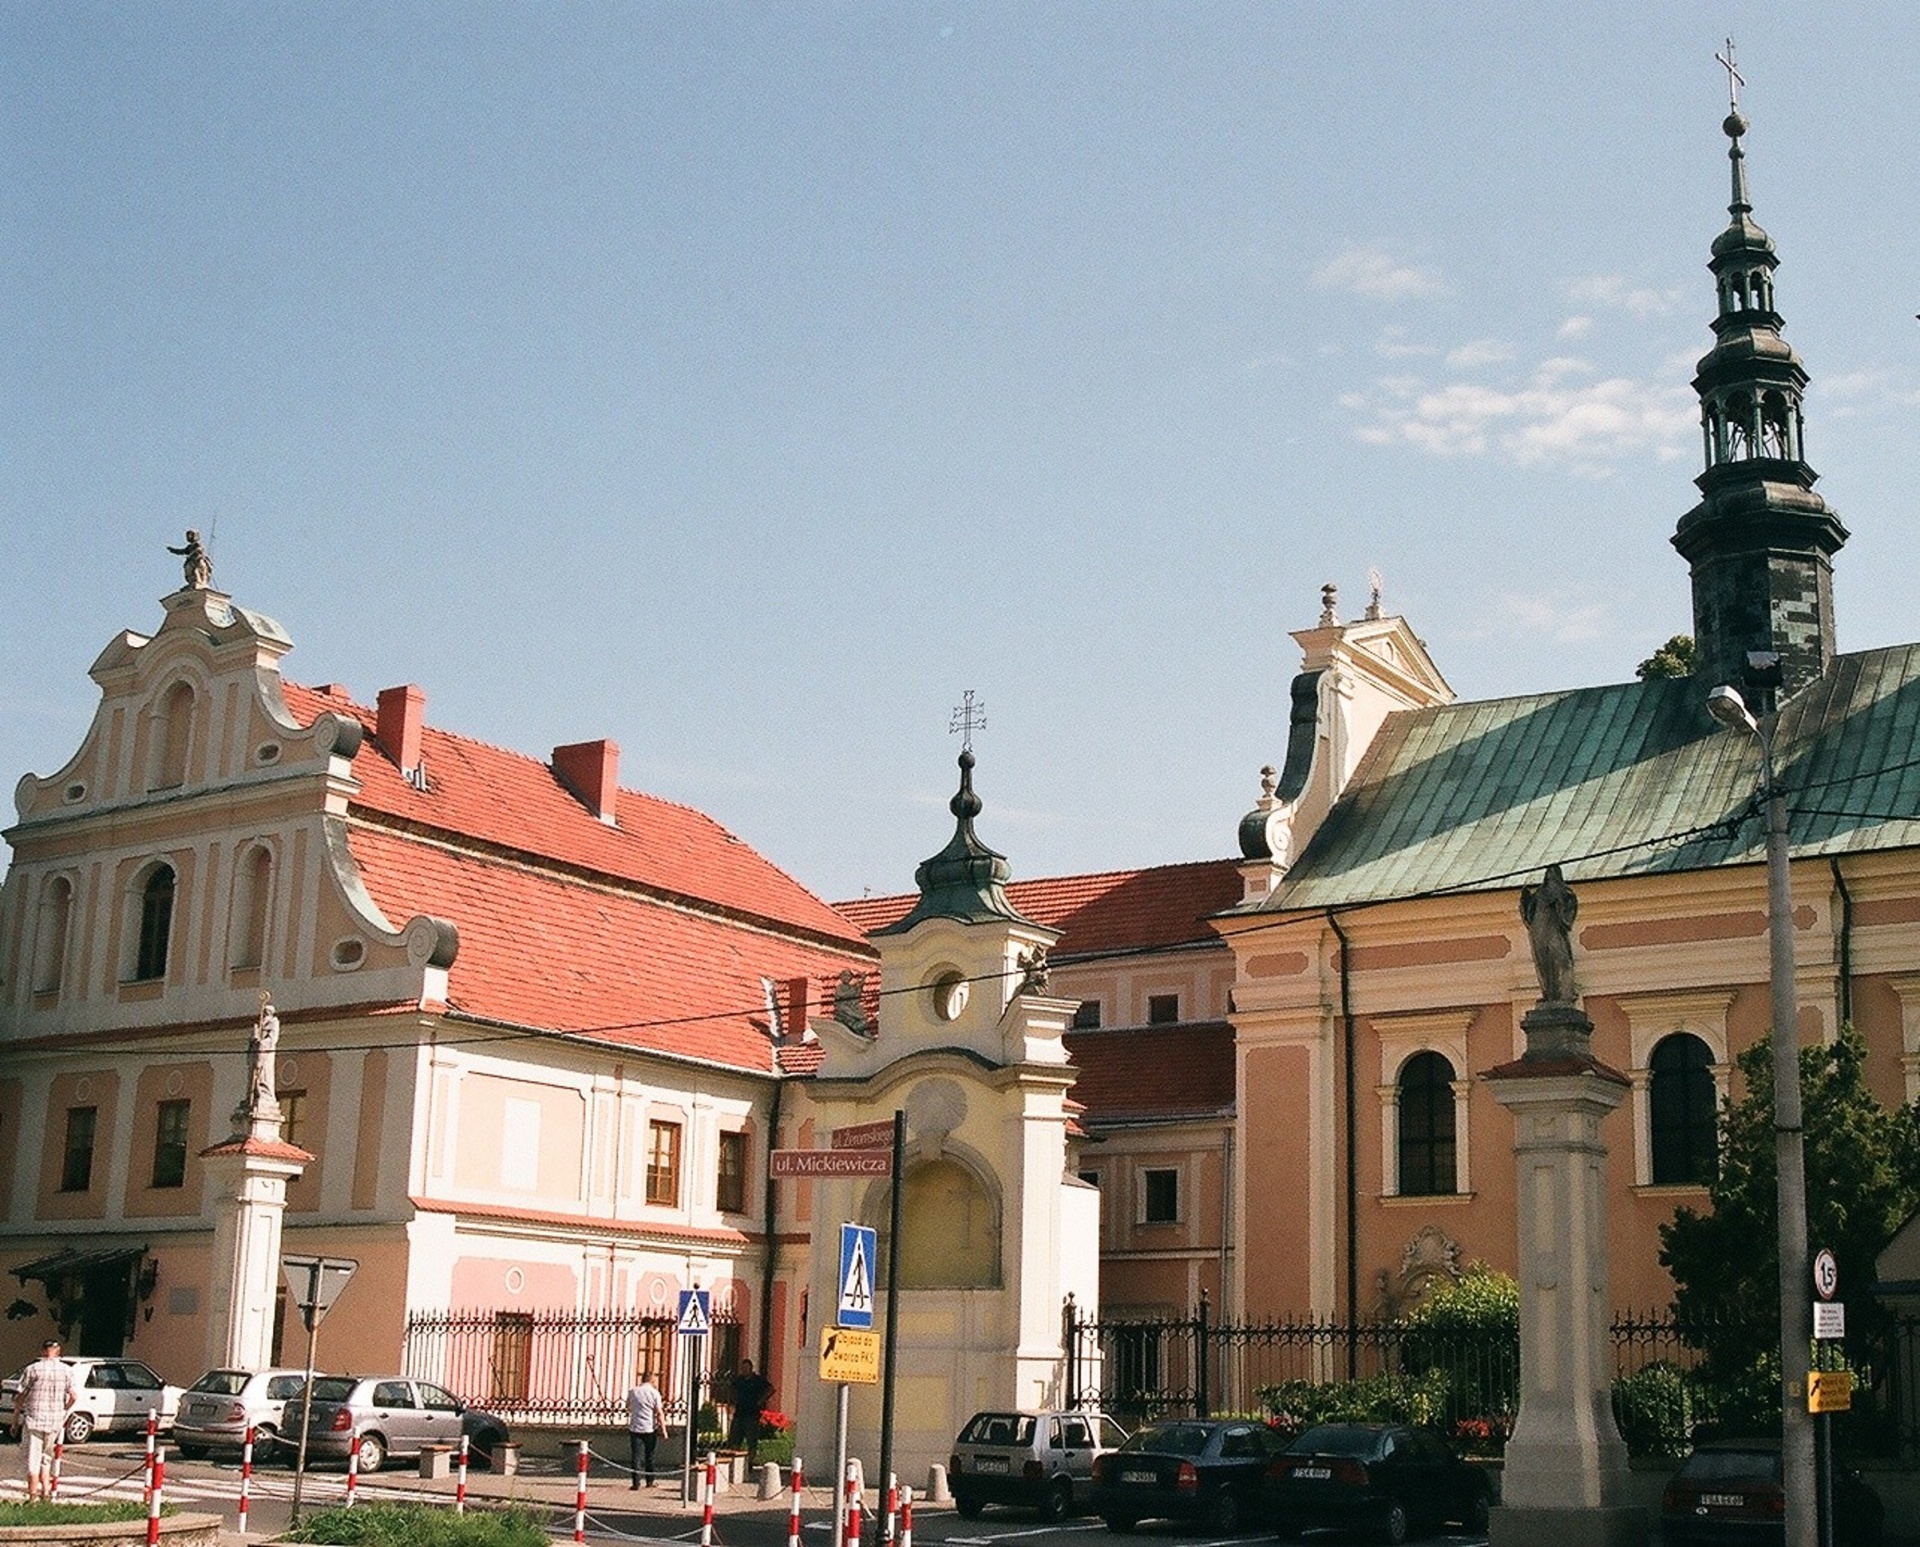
column 47, row 1391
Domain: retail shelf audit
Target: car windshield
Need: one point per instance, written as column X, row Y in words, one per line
column 1171, row 1439
column 333, row 1388
column 999, row 1429
column 1337, row 1440
column 225, row 1383
column 1719, row 1465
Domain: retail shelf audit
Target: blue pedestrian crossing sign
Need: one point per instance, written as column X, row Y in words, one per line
column 858, row 1249
column 695, row 1319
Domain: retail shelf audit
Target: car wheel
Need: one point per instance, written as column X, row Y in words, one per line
column 1394, row 1526
column 191, row 1452
column 1057, row 1502
column 79, row 1427
column 481, row 1445
column 1119, row 1524
column 266, row 1444
column 1479, row 1514
column 966, row 1506
column 1223, row 1514
column 372, row 1451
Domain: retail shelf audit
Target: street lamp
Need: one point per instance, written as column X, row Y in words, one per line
column 1790, row 1165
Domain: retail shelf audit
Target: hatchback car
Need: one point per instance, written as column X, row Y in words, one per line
column 218, row 1409
column 1044, row 1460
column 1386, row 1478
column 115, row 1396
column 1210, row 1470
column 1728, row 1493
column 390, row 1415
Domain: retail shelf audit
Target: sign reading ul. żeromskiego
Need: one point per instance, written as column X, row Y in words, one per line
column 865, row 1136
column 833, row 1162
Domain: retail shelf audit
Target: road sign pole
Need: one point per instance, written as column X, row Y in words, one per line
column 840, row 1470
column 306, row 1411
column 691, row 1346
column 893, row 1297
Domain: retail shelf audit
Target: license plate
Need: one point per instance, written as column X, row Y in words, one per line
column 1316, row 1474
column 1723, row 1500
column 991, row 1464
column 1139, row 1477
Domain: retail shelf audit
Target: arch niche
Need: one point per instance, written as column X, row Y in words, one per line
column 949, row 1227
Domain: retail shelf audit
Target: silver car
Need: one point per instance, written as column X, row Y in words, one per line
column 1043, row 1460
column 389, row 1415
column 219, row 1408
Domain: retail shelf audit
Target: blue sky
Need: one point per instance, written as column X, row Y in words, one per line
column 745, row 382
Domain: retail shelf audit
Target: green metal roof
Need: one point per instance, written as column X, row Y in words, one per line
column 1614, row 781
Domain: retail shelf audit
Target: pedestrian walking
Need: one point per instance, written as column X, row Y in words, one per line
column 40, row 1407
column 646, row 1422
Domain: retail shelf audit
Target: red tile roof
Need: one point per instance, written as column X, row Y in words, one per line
column 1115, row 910
column 1149, row 1073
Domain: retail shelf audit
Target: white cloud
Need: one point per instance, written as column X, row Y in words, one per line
column 1551, row 618
column 1393, row 345
column 1479, row 352
column 1613, row 290
column 1576, row 327
column 1370, row 272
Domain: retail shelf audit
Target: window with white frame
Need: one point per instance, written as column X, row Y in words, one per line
column 1423, row 1094
column 1678, row 1075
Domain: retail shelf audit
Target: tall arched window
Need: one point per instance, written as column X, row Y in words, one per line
column 169, row 737
column 1683, row 1105
column 50, row 938
column 156, row 925
column 1426, row 1126
column 252, row 895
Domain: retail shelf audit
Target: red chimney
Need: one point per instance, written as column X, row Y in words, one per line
column 402, row 717
column 795, row 1013
column 591, row 769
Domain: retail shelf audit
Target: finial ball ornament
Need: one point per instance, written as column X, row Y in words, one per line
column 1735, row 125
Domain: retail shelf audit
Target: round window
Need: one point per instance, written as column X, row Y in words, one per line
column 950, row 991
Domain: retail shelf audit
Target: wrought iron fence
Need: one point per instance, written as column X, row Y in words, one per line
column 557, row 1366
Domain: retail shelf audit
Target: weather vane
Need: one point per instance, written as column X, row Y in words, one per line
column 971, row 716
column 1735, row 80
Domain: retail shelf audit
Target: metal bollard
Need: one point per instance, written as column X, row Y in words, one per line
column 246, row 1479
column 793, row 1513
column 353, row 1467
column 153, row 1503
column 460, row 1488
column 580, row 1498
column 906, row 1517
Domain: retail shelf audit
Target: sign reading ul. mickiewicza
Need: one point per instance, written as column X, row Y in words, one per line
column 858, row 1248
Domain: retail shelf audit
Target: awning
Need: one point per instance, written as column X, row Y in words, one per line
column 76, row 1260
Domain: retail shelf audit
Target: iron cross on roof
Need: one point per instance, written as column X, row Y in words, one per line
column 1735, row 80
column 971, row 716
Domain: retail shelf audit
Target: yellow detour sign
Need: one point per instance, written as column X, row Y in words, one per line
column 847, row 1355
column 1829, row 1391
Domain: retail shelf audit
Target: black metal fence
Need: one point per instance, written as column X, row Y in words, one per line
column 560, row 1367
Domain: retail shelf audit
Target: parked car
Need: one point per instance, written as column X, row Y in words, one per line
column 390, row 1415
column 1044, row 1460
column 1728, row 1493
column 1210, row 1470
column 115, row 1397
column 218, row 1409
column 1386, row 1478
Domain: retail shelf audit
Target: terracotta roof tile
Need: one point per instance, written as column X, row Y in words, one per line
column 1148, row 1073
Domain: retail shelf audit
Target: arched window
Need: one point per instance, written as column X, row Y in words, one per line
column 1426, row 1126
column 169, row 736
column 156, row 925
column 252, row 896
column 1682, row 1108
column 50, row 939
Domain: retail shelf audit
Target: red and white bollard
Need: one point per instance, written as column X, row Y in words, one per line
column 906, row 1517
column 353, row 1467
column 853, row 1507
column 580, row 1499
column 153, row 1502
column 460, row 1488
column 246, row 1479
column 793, row 1510
column 893, row 1508
column 153, row 1431
column 59, row 1455
column 706, row 1503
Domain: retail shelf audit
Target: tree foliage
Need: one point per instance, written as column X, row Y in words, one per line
column 1673, row 659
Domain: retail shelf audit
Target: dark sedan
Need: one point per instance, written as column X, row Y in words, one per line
column 1208, row 1470
column 1389, row 1478
column 1728, row 1494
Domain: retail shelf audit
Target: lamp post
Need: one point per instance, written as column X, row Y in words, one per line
column 1790, row 1166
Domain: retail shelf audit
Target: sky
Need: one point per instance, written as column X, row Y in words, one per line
column 747, row 382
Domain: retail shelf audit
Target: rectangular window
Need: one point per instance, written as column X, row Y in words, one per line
column 76, row 1168
column 1087, row 1016
column 1161, row 1200
column 663, row 1163
column 293, row 1114
column 170, row 1144
column 730, row 1189
column 1163, row 1009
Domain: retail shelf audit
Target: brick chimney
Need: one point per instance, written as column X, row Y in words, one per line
column 401, row 719
column 591, row 769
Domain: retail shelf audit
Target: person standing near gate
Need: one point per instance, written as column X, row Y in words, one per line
column 47, row 1392
column 750, row 1393
column 646, row 1422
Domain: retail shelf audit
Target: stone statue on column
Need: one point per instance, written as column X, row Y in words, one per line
column 196, row 565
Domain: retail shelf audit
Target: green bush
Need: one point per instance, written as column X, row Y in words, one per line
column 1654, row 1407
column 21, row 1513
column 776, row 1447
column 1469, row 1328
column 1298, row 1405
column 421, row 1525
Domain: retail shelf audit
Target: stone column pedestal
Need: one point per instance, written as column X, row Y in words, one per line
column 1566, row 1481
column 250, row 1176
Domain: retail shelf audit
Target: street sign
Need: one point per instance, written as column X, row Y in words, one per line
column 1829, row 1391
column 695, row 1318
column 847, row 1355
column 859, row 1247
column 833, row 1162
column 1826, row 1274
column 865, row 1136
column 315, row 1283
column 1829, row 1321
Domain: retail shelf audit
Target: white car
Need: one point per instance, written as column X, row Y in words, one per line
column 115, row 1397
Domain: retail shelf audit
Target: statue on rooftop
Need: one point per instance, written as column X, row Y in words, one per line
column 195, row 563
column 1035, row 972
column 849, row 1007
column 1548, row 910
column 261, row 1101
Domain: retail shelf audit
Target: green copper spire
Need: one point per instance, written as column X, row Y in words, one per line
column 966, row 880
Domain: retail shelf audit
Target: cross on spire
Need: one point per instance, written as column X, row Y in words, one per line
column 1735, row 80
column 970, row 716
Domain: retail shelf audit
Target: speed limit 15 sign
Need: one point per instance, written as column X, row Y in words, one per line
column 1826, row 1274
